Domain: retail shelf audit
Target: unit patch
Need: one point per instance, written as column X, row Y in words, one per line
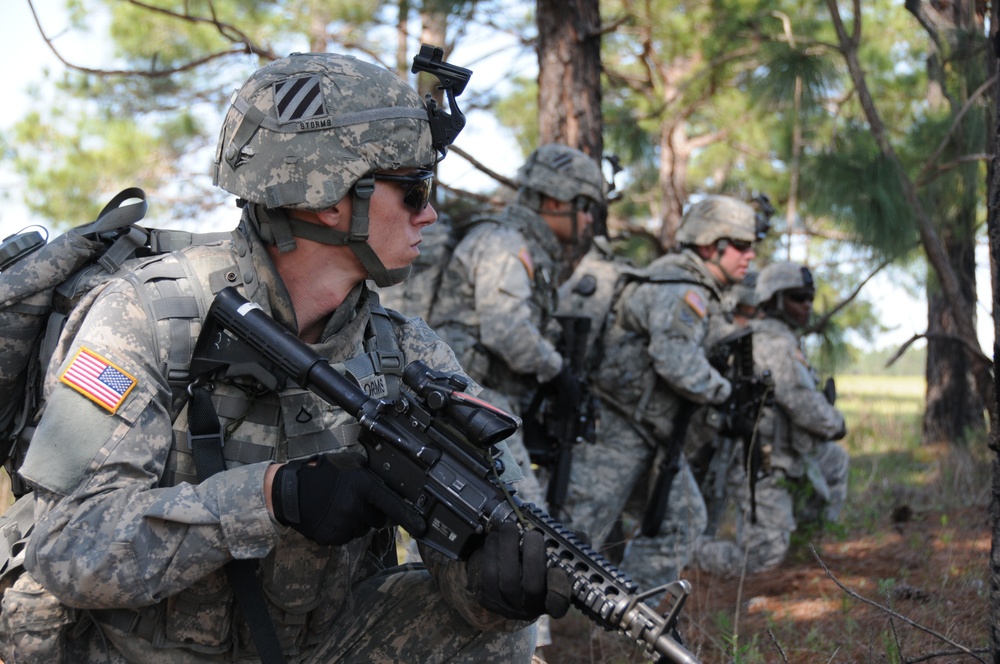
column 98, row 379
column 301, row 100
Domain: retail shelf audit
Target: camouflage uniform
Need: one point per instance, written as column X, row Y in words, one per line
column 795, row 436
column 494, row 308
column 142, row 546
column 654, row 355
column 124, row 532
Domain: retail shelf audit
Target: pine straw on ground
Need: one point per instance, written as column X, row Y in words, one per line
column 930, row 567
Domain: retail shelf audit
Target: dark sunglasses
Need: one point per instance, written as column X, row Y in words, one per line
column 416, row 187
column 584, row 204
column 800, row 296
column 741, row 246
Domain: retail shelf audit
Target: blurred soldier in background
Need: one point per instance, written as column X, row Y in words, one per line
column 497, row 295
column 803, row 475
column 651, row 373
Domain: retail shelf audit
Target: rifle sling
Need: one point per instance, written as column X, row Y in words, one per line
column 206, row 440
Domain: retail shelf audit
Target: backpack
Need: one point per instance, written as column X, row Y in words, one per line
column 40, row 283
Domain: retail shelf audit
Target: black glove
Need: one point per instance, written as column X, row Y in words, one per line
column 332, row 505
column 509, row 575
column 566, row 389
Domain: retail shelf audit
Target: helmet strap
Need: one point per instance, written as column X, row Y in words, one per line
column 357, row 239
column 276, row 227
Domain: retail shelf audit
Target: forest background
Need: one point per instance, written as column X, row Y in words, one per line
column 870, row 126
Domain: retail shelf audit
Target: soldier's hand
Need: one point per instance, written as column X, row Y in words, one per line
column 509, row 575
column 332, row 505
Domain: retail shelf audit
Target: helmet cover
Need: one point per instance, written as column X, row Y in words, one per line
column 303, row 129
column 782, row 276
column 563, row 173
column 715, row 218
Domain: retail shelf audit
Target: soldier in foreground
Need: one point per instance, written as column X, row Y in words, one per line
column 803, row 474
column 329, row 158
column 652, row 373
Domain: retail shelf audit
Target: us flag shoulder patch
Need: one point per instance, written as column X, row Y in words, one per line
column 525, row 256
column 98, row 379
column 695, row 301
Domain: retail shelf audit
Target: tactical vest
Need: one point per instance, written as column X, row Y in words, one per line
column 306, row 584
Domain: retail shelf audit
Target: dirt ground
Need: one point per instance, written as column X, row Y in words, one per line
column 929, row 566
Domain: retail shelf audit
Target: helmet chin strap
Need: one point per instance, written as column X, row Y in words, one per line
column 720, row 248
column 278, row 228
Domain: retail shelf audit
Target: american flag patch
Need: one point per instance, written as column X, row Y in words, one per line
column 98, row 380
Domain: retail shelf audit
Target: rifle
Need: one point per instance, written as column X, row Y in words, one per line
column 732, row 356
column 666, row 471
column 435, row 450
column 550, row 431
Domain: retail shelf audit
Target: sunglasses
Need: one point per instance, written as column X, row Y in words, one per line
column 584, row 204
column 741, row 246
column 416, row 186
column 800, row 297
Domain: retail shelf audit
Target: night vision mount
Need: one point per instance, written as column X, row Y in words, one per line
column 445, row 127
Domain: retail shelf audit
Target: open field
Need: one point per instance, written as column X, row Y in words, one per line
column 915, row 540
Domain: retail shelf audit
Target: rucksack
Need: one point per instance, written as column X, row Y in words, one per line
column 41, row 282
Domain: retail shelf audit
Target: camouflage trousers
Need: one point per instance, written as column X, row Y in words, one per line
column 782, row 506
column 612, row 477
column 397, row 616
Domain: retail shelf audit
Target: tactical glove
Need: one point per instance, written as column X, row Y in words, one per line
column 510, row 577
column 332, row 505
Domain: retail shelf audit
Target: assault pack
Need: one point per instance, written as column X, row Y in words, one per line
column 40, row 284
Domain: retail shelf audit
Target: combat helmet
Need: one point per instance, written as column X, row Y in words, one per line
column 715, row 218
column 783, row 276
column 744, row 293
column 563, row 173
column 306, row 130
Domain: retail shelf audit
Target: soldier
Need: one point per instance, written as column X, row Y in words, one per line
column 329, row 158
column 800, row 461
column 498, row 291
column 652, row 369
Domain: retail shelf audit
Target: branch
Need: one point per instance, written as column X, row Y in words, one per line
column 977, row 353
column 954, row 125
column 245, row 48
column 825, row 318
column 506, row 181
column 892, row 613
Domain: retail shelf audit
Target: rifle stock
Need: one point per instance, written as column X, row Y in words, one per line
column 435, row 453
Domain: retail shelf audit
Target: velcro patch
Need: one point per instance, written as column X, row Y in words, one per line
column 98, row 379
column 300, row 100
column 529, row 265
column 694, row 300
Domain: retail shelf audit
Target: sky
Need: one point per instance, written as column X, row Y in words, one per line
column 483, row 138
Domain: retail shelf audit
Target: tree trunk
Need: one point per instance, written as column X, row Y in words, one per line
column 954, row 407
column 569, row 74
column 993, row 233
column 569, row 83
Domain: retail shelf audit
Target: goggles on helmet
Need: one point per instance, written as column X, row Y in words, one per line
column 416, row 186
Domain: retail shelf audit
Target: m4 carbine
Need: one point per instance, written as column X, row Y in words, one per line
column 435, row 450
